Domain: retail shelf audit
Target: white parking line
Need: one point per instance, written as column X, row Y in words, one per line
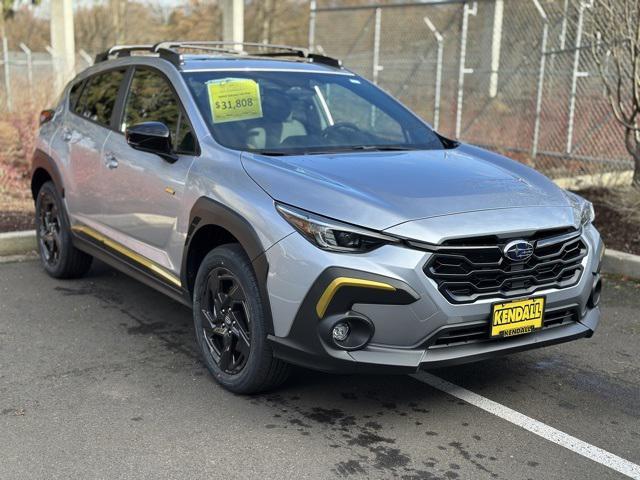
column 545, row 431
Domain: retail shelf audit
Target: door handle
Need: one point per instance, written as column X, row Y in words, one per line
column 110, row 161
column 66, row 135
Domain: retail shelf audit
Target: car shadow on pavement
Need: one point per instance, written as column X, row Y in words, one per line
column 148, row 312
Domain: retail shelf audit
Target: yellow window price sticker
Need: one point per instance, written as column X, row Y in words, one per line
column 234, row 99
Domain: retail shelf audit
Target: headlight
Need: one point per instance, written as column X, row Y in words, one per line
column 333, row 235
column 583, row 208
column 588, row 214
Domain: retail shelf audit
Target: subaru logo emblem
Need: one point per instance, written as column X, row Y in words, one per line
column 518, row 250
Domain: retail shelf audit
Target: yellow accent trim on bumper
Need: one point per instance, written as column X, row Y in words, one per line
column 121, row 249
column 338, row 283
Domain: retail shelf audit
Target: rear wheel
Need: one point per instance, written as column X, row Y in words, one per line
column 230, row 324
column 59, row 257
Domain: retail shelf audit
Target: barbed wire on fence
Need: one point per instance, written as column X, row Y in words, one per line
column 516, row 76
column 25, row 72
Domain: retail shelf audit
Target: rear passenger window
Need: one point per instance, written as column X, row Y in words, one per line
column 151, row 99
column 98, row 97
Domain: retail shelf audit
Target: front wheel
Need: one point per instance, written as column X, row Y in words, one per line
column 230, row 324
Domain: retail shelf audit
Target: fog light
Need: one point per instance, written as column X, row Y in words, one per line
column 594, row 298
column 346, row 331
column 340, row 332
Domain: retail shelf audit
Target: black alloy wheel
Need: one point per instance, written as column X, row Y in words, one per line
column 49, row 229
column 59, row 257
column 232, row 323
column 227, row 321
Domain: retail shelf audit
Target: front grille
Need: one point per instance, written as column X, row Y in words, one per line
column 469, row 270
column 464, row 334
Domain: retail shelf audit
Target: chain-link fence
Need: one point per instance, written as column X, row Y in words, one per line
column 27, row 85
column 517, row 76
column 29, row 75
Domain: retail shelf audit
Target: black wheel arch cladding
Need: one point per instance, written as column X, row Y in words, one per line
column 207, row 212
column 44, row 168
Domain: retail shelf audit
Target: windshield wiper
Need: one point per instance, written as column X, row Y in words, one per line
column 272, row 153
column 350, row 148
column 381, row 148
column 358, row 148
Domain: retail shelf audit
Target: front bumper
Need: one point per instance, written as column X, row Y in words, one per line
column 407, row 320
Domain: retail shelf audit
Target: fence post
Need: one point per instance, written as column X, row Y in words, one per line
column 27, row 52
column 54, row 59
column 54, row 68
column 85, row 56
column 312, row 25
column 233, row 22
column 563, row 28
column 574, row 78
column 376, row 45
column 463, row 56
column 7, row 75
column 62, row 41
column 439, row 40
column 496, row 44
column 562, row 36
column 541, row 72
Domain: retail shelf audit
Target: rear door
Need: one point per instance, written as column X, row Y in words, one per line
column 147, row 191
column 86, row 128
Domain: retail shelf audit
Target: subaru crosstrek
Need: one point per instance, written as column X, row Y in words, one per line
column 306, row 216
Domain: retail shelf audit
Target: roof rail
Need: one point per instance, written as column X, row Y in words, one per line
column 122, row 51
column 168, row 51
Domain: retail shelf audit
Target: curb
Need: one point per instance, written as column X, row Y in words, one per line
column 17, row 243
column 621, row 263
column 615, row 262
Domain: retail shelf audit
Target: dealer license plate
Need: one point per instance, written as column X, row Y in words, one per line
column 517, row 317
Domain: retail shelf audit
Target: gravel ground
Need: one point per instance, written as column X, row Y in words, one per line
column 100, row 379
column 12, row 221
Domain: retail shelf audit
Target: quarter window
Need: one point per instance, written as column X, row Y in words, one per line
column 98, row 97
column 74, row 93
column 151, row 99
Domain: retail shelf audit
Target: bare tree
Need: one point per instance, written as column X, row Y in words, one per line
column 616, row 27
column 7, row 9
column 93, row 28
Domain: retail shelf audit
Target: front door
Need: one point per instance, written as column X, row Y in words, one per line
column 146, row 193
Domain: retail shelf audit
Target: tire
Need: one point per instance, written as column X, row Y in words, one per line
column 230, row 324
column 58, row 256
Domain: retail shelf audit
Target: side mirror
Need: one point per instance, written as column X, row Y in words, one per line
column 152, row 137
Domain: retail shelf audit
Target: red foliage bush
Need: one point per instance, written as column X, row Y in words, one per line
column 18, row 136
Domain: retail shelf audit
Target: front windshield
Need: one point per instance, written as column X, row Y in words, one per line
column 285, row 112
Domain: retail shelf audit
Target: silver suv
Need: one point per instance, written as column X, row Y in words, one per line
column 306, row 216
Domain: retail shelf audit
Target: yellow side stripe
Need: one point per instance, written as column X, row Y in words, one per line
column 121, row 249
column 338, row 283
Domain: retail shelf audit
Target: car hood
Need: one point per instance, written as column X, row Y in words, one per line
column 379, row 190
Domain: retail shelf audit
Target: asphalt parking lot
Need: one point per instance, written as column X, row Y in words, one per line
column 100, row 379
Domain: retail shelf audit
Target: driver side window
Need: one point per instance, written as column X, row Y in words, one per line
column 151, row 99
column 346, row 106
